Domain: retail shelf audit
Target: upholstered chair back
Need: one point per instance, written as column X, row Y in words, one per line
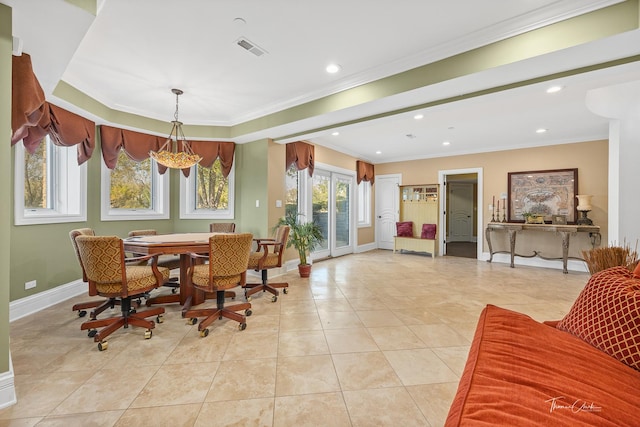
column 282, row 235
column 148, row 232
column 104, row 262
column 72, row 235
column 222, row 227
column 228, row 258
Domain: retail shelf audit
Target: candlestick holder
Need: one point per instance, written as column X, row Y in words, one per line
column 583, row 220
column 493, row 214
column 498, row 212
column 504, row 216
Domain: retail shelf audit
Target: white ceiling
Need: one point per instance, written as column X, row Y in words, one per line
column 134, row 52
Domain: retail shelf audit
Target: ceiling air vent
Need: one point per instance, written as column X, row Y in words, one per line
column 250, row 46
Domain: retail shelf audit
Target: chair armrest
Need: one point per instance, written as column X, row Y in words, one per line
column 265, row 246
column 139, row 259
column 194, row 256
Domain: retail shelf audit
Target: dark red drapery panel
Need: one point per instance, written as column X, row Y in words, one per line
column 302, row 154
column 365, row 172
column 27, row 98
column 136, row 144
column 210, row 151
column 67, row 129
column 32, row 117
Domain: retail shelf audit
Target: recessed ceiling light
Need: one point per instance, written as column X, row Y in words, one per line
column 333, row 68
column 418, row 116
column 554, row 89
column 378, row 152
column 541, row 130
column 335, row 133
column 239, row 21
column 410, row 136
column 446, row 143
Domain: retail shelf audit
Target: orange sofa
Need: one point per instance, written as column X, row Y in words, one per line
column 521, row 372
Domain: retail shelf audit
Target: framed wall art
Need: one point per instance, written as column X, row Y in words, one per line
column 548, row 193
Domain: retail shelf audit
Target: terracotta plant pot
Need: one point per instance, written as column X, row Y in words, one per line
column 304, row 270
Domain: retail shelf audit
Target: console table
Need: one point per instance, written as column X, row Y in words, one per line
column 564, row 230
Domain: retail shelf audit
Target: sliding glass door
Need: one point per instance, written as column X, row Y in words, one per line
column 330, row 203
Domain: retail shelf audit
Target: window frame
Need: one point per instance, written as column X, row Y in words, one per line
column 159, row 196
column 70, row 201
column 363, row 204
column 188, row 197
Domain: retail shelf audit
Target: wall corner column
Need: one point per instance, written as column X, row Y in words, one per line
column 7, row 387
column 621, row 104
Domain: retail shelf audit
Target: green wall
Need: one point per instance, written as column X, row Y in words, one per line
column 48, row 247
column 251, row 185
column 5, row 183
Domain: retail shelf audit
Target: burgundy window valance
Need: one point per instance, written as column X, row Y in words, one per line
column 302, row 155
column 365, row 172
column 32, row 117
column 210, row 151
column 137, row 146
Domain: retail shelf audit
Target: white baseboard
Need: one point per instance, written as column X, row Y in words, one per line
column 7, row 387
column 572, row 265
column 34, row 303
column 366, row 247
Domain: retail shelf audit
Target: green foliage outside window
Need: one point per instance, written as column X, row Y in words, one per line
column 291, row 194
column 131, row 184
column 35, row 178
column 212, row 188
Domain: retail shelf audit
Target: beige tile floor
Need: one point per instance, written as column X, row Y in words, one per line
column 372, row 339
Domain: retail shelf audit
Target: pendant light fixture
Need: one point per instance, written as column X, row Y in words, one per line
column 176, row 152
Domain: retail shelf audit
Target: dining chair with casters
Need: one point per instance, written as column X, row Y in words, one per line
column 98, row 305
column 222, row 227
column 268, row 255
column 226, row 269
column 110, row 274
column 170, row 261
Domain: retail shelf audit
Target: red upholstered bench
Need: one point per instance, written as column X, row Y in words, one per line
column 405, row 239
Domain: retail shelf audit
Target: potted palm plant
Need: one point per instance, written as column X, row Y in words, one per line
column 304, row 236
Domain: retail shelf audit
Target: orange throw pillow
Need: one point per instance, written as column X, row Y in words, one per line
column 607, row 315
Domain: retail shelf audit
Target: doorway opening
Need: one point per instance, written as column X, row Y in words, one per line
column 461, row 221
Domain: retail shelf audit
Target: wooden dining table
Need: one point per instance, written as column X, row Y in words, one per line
column 174, row 244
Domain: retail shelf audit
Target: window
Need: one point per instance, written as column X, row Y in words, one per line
column 291, row 191
column 364, row 204
column 50, row 187
column 206, row 193
column 134, row 190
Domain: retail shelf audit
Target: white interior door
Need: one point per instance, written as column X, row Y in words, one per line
column 387, row 209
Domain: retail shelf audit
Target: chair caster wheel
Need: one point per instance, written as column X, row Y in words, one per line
column 148, row 334
column 248, row 312
column 103, row 345
column 132, row 311
column 242, row 326
column 285, row 290
column 274, row 298
column 82, row 313
column 248, row 298
column 204, row 333
column 92, row 333
column 192, row 321
column 160, row 318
